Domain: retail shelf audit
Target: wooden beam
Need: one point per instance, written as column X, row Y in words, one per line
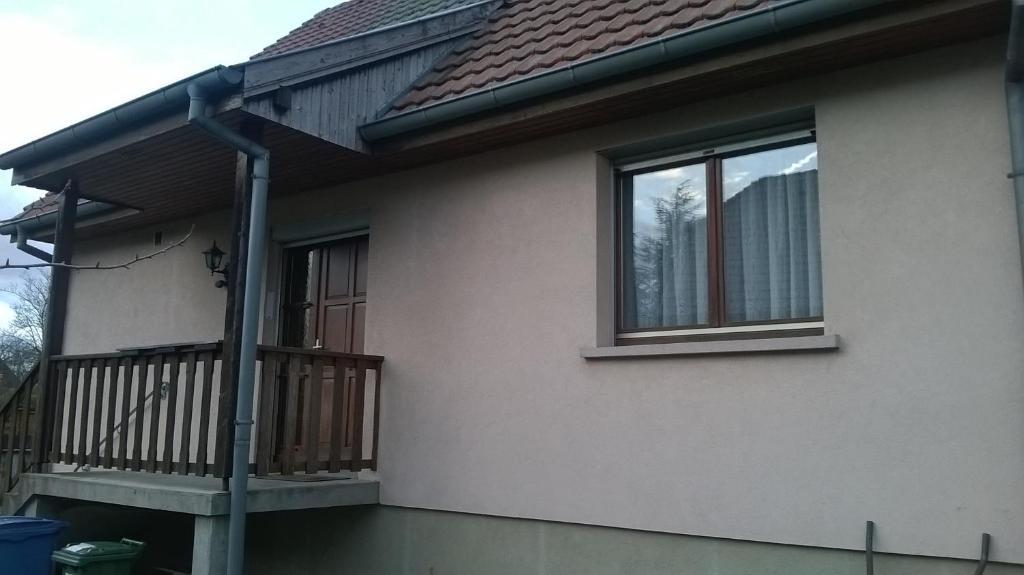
column 252, row 129
column 56, row 312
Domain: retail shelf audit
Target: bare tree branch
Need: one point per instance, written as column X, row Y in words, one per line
column 126, row 265
column 30, row 297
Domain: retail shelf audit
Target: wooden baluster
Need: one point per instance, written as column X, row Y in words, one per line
column 338, row 418
column 6, row 444
column 83, row 427
column 126, row 405
column 112, row 395
column 156, row 404
column 204, row 415
column 140, row 413
column 97, row 412
column 69, row 446
column 358, row 407
column 376, row 413
column 265, row 420
column 30, row 412
column 224, row 424
column 291, row 413
column 312, row 439
column 9, row 470
column 20, row 408
column 60, row 389
column 184, row 454
column 171, row 417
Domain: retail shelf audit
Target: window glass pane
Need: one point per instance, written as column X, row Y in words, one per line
column 298, row 320
column 665, row 249
column 772, row 240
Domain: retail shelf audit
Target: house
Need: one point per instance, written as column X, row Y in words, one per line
column 580, row 286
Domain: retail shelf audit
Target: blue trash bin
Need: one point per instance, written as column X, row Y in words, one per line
column 26, row 544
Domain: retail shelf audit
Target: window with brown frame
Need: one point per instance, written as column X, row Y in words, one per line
column 720, row 242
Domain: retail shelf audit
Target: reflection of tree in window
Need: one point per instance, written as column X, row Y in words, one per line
column 668, row 266
column 768, row 256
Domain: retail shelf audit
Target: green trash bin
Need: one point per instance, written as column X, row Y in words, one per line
column 98, row 557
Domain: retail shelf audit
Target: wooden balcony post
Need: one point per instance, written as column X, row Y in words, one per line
column 234, row 303
column 56, row 312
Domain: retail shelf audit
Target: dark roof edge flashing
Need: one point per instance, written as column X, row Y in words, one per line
column 44, row 222
column 732, row 30
column 310, row 64
column 219, row 81
column 383, row 29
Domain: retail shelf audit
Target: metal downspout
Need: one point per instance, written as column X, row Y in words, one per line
column 1015, row 112
column 250, row 320
column 24, row 246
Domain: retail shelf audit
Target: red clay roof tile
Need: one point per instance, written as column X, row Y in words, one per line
column 527, row 37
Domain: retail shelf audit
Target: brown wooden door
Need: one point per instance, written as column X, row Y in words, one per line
column 324, row 307
column 325, row 296
column 342, row 304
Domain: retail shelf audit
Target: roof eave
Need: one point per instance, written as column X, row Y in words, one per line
column 219, row 80
column 751, row 25
column 41, row 225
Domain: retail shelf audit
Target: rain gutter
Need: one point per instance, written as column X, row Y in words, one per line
column 215, row 82
column 750, row 25
column 46, row 221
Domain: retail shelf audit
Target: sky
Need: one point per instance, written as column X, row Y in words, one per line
column 64, row 61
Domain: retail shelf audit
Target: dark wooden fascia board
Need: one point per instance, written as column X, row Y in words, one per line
column 296, row 68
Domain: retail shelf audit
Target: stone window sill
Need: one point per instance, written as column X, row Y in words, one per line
column 764, row 345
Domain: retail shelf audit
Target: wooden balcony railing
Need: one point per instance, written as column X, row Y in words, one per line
column 16, row 417
column 167, row 410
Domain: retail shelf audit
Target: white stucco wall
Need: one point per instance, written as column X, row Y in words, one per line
column 483, row 288
column 167, row 299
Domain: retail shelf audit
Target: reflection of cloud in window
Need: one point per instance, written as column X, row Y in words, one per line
column 741, row 171
column 798, row 165
column 736, row 178
column 670, row 174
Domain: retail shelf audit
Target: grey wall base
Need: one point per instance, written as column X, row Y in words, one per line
column 380, row 540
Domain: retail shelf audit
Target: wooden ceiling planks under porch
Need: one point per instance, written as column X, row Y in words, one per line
column 183, row 172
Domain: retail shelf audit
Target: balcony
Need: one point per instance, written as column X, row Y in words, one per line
column 167, row 410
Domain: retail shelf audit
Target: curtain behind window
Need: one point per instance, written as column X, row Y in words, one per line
column 771, row 241
column 773, row 249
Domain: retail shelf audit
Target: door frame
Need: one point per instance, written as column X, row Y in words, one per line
column 274, row 326
column 276, row 304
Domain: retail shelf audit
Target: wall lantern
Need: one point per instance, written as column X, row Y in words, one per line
column 214, row 258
